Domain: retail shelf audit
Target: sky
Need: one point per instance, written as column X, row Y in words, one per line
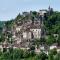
column 9, row 9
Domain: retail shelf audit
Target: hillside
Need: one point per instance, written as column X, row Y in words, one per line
column 51, row 24
column 20, row 36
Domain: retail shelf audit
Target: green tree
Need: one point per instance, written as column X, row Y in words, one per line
column 57, row 57
column 58, row 41
column 26, row 54
column 50, row 40
column 2, row 38
column 36, row 42
column 17, row 54
column 41, row 56
column 52, row 54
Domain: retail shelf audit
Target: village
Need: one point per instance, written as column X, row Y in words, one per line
column 25, row 33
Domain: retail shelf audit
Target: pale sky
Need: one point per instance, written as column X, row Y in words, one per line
column 9, row 9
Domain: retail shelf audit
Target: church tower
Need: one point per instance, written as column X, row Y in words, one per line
column 50, row 10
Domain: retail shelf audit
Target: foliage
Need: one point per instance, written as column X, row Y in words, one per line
column 26, row 54
column 18, row 54
column 58, row 41
column 52, row 24
column 50, row 40
column 42, row 56
column 2, row 38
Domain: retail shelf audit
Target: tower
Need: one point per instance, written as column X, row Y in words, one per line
column 49, row 7
column 50, row 10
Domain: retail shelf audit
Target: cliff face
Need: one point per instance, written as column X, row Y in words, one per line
column 24, row 28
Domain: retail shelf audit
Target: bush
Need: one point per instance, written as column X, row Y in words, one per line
column 32, row 53
column 26, row 54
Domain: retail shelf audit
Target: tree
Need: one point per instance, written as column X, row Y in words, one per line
column 52, row 24
column 57, row 57
column 37, row 42
column 52, row 54
column 50, row 40
column 26, row 54
column 58, row 41
column 17, row 54
column 41, row 56
column 32, row 53
column 32, row 47
column 2, row 38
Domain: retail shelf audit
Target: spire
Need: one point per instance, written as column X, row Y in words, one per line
column 49, row 5
column 49, row 8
